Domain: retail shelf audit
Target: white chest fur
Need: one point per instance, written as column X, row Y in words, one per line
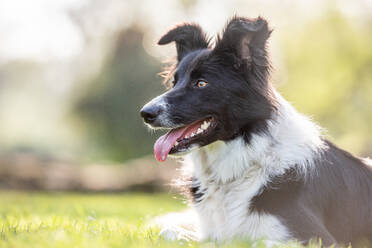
column 224, row 210
column 225, row 214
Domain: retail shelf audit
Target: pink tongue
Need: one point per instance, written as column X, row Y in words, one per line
column 165, row 143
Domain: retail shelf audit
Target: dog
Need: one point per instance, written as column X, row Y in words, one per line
column 260, row 169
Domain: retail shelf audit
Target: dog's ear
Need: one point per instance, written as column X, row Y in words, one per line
column 188, row 37
column 244, row 40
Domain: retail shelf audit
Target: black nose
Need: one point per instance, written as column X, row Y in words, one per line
column 150, row 113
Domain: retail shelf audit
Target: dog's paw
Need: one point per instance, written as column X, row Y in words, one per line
column 177, row 234
column 178, row 226
column 169, row 234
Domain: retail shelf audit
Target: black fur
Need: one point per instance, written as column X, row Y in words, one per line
column 333, row 203
column 188, row 37
column 195, row 191
column 239, row 95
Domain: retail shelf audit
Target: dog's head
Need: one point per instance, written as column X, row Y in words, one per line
column 218, row 93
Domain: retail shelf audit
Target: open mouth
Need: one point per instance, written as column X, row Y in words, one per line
column 180, row 139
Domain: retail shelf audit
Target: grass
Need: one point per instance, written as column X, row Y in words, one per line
column 86, row 220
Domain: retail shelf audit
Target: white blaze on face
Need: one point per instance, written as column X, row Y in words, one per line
column 163, row 119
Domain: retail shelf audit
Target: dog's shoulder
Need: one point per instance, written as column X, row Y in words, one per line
column 309, row 204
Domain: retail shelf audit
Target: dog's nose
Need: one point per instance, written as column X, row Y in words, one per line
column 149, row 113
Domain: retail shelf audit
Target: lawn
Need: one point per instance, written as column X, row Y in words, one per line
column 85, row 220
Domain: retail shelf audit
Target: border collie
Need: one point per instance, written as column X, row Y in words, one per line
column 260, row 169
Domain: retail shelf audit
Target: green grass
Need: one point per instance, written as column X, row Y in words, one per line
column 85, row 220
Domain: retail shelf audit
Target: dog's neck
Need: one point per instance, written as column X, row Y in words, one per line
column 291, row 141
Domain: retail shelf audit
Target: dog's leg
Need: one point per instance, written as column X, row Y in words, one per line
column 179, row 226
column 310, row 228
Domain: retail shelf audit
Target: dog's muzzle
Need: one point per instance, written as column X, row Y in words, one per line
column 150, row 113
column 154, row 112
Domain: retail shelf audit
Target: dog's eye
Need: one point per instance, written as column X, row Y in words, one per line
column 201, row 83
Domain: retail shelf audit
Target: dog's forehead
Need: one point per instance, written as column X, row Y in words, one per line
column 191, row 61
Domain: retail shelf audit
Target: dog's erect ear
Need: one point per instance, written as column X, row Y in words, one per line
column 188, row 37
column 245, row 39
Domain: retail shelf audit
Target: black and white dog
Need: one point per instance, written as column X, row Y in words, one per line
column 260, row 169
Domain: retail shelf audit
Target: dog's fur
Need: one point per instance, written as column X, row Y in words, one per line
column 265, row 171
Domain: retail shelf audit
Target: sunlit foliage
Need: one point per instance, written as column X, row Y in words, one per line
column 329, row 76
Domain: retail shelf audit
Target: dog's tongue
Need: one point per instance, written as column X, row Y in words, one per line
column 165, row 143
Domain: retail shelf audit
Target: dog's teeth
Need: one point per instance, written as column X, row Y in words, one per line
column 186, row 137
column 176, row 143
column 192, row 135
column 199, row 131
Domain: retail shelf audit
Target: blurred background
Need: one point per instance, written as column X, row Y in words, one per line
column 75, row 73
